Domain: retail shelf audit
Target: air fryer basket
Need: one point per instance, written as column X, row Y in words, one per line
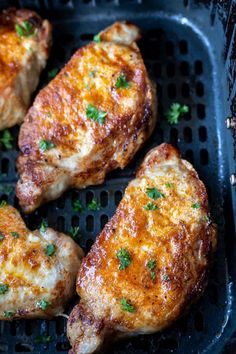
column 189, row 49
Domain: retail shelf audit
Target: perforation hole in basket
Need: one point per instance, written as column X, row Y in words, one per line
column 60, row 325
column 185, row 90
column 90, row 223
column 104, row 220
column 202, row 132
column 198, row 67
column 170, row 69
column 183, row 47
column 199, row 321
column 61, row 224
column 5, row 166
column 184, row 68
column 104, row 199
column 201, row 112
column 171, row 91
column 157, row 71
column 199, row 89
column 118, row 196
column 188, row 136
column 174, row 136
column 169, row 48
column 189, row 156
column 204, row 157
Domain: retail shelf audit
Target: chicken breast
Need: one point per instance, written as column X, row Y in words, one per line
column 89, row 120
column 38, row 269
column 24, row 45
column 150, row 261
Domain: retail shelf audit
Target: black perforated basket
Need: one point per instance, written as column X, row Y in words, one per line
column 189, row 49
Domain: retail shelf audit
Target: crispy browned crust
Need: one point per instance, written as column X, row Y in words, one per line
column 30, row 273
column 86, row 150
column 21, row 61
column 178, row 236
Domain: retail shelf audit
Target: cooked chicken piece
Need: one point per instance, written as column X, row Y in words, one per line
column 91, row 119
column 38, row 269
column 24, row 44
column 150, row 261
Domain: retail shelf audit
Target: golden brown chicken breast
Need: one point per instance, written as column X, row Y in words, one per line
column 150, row 261
column 24, row 45
column 38, row 269
column 89, row 120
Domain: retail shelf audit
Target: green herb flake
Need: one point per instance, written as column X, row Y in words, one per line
column 122, row 82
column 3, row 288
column 43, row 226
column 150, row 206
column 97, row 38
column 43, row 338
column 92, row 73
column 196, row 205
column 93, row 113
column 1, row 236
column 45, row 145
column 3, row 203
column 151, row 264
column 169, row 185
column 43, row 304
column 152, row 275
column 206, row 218
column 124, row 258
column 6, row 139
column 77, row 206
column 154, row 193
column 175, row 112
column 94, row 205
column 25, row 29
column 8, row 314
column 50, row 250
column 15, row 234
column 52, row 73
column 75, row 233
column 165, row 277
column 126, row 306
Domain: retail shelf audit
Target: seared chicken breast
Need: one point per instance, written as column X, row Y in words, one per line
column 24, row 45
column 38, row 269
column 150, row 261
column 89, row 120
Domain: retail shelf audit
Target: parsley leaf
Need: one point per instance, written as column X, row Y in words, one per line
column 94, row 205
column 154, row 193
column 126, row 306
column 97, row 38
column 75, row 233
column 8, row 314
column 196, row 205
column 206, row 218
column 150, row 206
column 169, row 185
column 3, row 204
column 25, row 29
column 6, row 139
column 45, row 145
column 15, row 234
column 152, row 275
column 43, row 226
column 43, row 338
column 1, row 236
column 93, row 113
column 92, row 73
column 3, row 288
column 151, row 264
column 77, row 206
column 50, row 250
column 52, row 73
column 43, row 304
column 165, row 277
column 122, row 82
column 175, row 112
column 124, row 258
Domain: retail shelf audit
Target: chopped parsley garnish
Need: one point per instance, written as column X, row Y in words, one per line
column 75, row 233
column 6, row 139
column 3, row 288
column 43, row 338
column 151, row 206
column 206, row 218
column 50, row 250
column 77, row 206
column 92, row 73
column 154, row 193
column 94, row 205
column 124, row 258
column 196, row 205
column 122, row 82
column 97, row 38
column 43, row 304
column 52, row 73
column 45, row 145
column 15, row 234
column 43, row 226
column 166, row 277
column 25, row 29
column 1, row 236
column 8, row 314
column 175, row 112
column 126, row 306
column 93, row 113
column 169, row 185
column 3, row 204
column 151, row 264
